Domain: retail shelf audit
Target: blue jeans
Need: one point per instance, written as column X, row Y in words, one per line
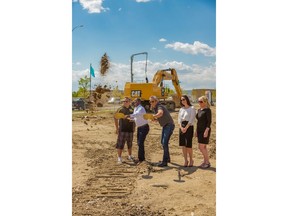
column 141, row 136
column 167, row 131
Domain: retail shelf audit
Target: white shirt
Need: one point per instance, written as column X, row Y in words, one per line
column 187, row 114
column 137, row 115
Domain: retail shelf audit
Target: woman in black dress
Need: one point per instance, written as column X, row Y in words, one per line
column 203, row 130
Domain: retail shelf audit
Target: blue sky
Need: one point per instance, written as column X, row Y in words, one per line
column 178, row 34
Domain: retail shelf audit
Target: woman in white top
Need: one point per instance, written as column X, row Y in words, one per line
column 186, row 119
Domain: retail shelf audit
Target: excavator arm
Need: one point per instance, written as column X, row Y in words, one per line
column 161, row 75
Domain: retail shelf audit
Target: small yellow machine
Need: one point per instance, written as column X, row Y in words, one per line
column 146, row 90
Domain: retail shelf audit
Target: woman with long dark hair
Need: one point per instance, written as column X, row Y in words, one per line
column 186, row 119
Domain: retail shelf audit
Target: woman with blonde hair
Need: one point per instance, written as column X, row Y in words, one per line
column 204, row 118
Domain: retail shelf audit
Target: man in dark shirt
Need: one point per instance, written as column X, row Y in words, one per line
column 166, row 122
column 124, row 129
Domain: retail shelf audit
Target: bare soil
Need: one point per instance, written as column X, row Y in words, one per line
column 103, row 187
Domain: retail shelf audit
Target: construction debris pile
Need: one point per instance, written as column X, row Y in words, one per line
column 100, row 96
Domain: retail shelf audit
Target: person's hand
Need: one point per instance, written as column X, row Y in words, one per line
column 154, row 120
column 183, row 130
column 205, row 134
column 116, row 131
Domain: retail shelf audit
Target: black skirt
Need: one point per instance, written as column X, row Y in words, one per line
column 201, row 138
column 185, row 139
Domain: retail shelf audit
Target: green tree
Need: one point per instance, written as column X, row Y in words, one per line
column 83, row 87
column 75, row 94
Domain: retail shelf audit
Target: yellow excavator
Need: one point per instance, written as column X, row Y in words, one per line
column 156, row 87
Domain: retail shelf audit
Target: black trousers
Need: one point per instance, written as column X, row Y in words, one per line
column 141, row 136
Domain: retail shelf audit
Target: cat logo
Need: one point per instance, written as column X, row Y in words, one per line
column 136, row 93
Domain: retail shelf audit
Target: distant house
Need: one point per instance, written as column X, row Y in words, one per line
column 196, row 93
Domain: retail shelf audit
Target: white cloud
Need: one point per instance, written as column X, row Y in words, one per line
column 119, row 9
column 190, row 76
column 193, row 49
column 93, row 6
column 162, row 40
column 199, row 77
column 77, row 63
column 143, row 1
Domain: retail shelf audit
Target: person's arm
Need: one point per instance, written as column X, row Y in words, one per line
column 116, row 125
column 159, row 113
column 116, row 121
column 183, row 129
column 195, row 134
column 138, row 112
column 179, row 121
column 209, row 118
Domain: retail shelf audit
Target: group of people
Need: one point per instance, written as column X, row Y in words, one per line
column 125, row 128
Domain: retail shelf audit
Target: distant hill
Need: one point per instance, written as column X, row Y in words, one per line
column 188, row 92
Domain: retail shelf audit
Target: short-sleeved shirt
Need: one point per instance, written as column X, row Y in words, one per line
column 166, row 117
column 125, row 125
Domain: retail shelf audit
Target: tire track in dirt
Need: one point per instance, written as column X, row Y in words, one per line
column 108, row 185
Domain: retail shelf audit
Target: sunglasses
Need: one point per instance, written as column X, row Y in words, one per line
column 151, row 101
column 125, row 101
column 183, row 99
column 200, row 101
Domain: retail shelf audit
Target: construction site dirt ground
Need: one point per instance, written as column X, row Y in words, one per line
column 100, row 186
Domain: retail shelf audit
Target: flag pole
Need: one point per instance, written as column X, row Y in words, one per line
column 90, row 84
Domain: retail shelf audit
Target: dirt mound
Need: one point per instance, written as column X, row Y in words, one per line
column 100, row 96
